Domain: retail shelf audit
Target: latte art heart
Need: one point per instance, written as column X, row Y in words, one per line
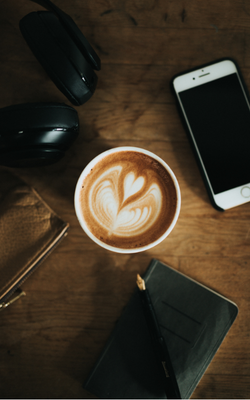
column 128, row 200
column 131, row 186
column 124, row 205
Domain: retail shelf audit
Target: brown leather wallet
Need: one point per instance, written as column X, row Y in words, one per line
column 29, row 231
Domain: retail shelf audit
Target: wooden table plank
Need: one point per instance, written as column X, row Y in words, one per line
column 51, row 338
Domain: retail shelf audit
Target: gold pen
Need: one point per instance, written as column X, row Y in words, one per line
column 160, row 347
column 19, row 293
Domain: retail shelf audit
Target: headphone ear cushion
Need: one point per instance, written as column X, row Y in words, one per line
column 32, row 157
column 59, row 56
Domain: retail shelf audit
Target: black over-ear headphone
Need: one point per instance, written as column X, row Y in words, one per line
column 39, row 133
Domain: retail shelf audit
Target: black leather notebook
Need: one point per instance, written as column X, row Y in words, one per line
column 194, row 321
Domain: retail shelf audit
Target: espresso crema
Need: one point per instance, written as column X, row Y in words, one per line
column 128, row 200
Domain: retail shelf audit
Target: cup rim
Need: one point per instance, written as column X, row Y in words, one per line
column 78, row 211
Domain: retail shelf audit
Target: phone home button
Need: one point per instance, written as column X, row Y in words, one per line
column 245, row 191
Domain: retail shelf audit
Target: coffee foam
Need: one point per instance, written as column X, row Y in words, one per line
column 128, row 200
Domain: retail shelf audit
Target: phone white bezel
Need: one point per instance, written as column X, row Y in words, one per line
column 241, row 194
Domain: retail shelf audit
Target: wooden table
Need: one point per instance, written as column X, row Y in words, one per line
column 51, row 338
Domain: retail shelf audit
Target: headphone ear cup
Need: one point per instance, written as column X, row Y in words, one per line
column 36, row 134
column 59, row 56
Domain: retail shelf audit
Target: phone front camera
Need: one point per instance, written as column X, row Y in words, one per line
column 193, row 78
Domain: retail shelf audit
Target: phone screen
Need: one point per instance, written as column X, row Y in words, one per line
column 219, row 117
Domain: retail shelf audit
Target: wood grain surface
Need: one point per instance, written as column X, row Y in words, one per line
column 51, row 338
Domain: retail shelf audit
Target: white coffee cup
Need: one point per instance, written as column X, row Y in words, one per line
column 147, row 192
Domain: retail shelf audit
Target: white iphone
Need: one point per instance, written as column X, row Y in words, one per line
column 215, row 107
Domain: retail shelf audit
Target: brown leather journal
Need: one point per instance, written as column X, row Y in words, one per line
column 29, row 231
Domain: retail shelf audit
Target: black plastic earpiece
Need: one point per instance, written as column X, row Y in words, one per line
column 63, row 51
column 36, row 134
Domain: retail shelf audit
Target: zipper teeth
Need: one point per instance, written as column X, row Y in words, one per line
column 27, row 275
